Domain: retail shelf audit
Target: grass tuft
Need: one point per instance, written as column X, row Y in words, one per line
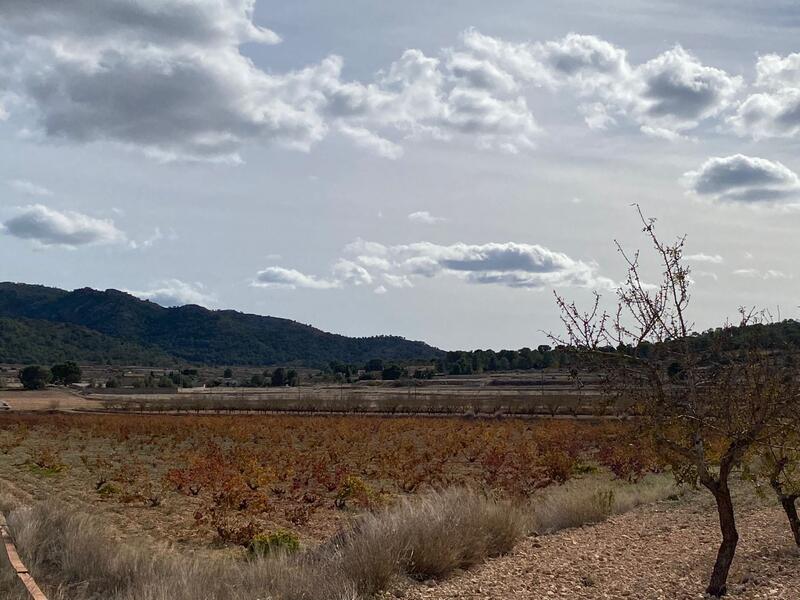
column 585, row 501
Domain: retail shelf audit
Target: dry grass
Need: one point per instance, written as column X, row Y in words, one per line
column 428, row 536
column 68, row 553
column 441, row 531
column 10, row 586
column 436, row 533
column 585, row 501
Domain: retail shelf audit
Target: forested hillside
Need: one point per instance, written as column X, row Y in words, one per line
column 115, row 326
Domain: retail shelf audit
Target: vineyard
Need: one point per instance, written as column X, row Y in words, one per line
column 222, row 481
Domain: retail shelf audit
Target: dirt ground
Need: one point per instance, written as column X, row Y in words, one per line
column 49, row 399
column 657, row 552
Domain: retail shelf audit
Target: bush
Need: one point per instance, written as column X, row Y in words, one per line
column 354, row 488
column 442, row 531
column 108, row 489
column 280, row 541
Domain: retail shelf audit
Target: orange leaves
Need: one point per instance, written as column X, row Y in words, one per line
column 232, row 475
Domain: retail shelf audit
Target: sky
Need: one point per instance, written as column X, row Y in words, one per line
column 434, row 170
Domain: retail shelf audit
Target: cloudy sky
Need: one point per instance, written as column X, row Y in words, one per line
column 428, row 169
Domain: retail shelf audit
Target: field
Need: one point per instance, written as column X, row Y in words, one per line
column 521, row 394
column 44, row 400
column 209, row 485
column 182, row 497
column 214, row 479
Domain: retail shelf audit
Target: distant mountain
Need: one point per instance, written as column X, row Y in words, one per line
column 38, row 323
column 27, row 341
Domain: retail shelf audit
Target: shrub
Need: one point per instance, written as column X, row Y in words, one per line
column 280, row 541
column 46, row 461
column 354, row 488
column 558, row 464
column 442, row 531
column 108, row 489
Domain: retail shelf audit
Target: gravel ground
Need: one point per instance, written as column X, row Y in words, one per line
column 662, row 551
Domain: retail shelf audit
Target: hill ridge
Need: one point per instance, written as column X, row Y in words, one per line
column 188, row 333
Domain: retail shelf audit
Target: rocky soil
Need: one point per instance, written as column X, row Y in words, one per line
column 662, row 551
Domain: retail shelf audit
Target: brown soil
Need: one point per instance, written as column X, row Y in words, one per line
column 49, row 399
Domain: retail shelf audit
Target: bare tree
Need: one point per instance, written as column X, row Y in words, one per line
column 777, row 461
column 706, row 399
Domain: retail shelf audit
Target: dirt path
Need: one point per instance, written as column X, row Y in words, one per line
column 654, row 552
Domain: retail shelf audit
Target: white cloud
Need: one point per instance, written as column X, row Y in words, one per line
column 423, row 96
column 165, row 22
column 373, row 262
column 704, row 258
column 348, row 272
column 662, row 133
column 746, row 179
column 775, row 71
column 169, row 78
column 49, row 227
column 380, row 290
column 174, row 292
column 365, row 138
column 397, row 281
column 366, row 248
column 165, row 77
column 707, row 274
column 423, row 216
column 773, row 109
column 505, row 263
column 677, row 90
column 511, row 264
column 154, row 238
column 765, row 115
column 668, row 94
column 290, row 278
column 757, row 274
column 28, row 187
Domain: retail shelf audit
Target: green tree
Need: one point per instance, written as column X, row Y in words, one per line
column 292, row 378
column 278, row 377
column 34, row 377
column 66, row 373
column 227, row 373
column 392, row 372
column 376, row 364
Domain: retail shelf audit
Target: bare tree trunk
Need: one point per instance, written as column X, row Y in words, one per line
column 788, row 504
column 730, row 538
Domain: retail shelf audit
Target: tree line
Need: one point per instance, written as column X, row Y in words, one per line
column 35, row 377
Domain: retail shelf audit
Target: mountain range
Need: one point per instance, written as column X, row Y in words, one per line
column 41, row 324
